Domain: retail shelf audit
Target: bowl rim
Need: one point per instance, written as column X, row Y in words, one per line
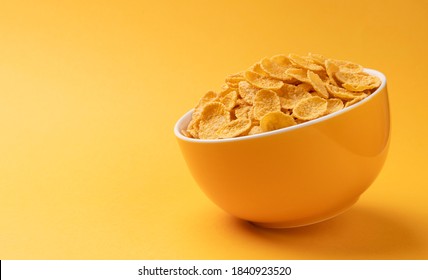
column 187, row 116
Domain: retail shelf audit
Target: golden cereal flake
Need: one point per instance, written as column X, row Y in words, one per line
column 193, row 126
column 276, row 120
column 331, row 70
column 289, row 100
column 224, row 89
column 305, row 87
column 265, row 101
column 206, row 98
column 341, row 93
column 257, row 68
column 263, row 82
column 347, row 66
column 310, row 108
column 255, row 130
column 317, row 58
column 355, row 100
column 295, row 92
column 234, row 128
column 358, row 81
column 304, row 62
column 213, row 116
column 276, row 70
column 334, row 105
column 299, row 74
column 186, row 133
column 317, row 84
column 233, row 80
column 243, row 111
column 229, row 100
column 247, row 91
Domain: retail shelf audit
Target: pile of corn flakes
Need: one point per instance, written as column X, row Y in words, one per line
column 278, row 92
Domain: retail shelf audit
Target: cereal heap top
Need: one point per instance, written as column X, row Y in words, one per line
column 278, row 92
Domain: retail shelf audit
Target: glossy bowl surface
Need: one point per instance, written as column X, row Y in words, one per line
column 298, row 175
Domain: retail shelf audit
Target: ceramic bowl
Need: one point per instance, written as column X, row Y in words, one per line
column 297, row 175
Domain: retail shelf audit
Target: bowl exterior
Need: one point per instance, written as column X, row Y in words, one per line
column 299, row 176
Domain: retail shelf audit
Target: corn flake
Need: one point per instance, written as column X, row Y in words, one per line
column 247, row 91
column 243, row 111
column 341, row 93
column 255, row 130
column 355, row 100
column 265, row 101
column 213, row 116
column 317, row 84
column 310, row 108
column 257, row 68
column 263, row 82
column 317, row 58
column 305, row 87
column 233, row 80
column 298, row 74
column 305, row 62
column 224, row 90
column 331, row 69
column 229, row 100
column 347, row 66
column 207, row 98
column 234, row 128
column 334, row 105
column 276, row 70
column 290, row 98
column 357, row 81
column 276, row 120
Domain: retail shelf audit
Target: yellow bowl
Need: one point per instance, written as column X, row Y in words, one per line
column 298, row 175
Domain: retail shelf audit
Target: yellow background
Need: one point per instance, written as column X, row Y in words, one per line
column 90, row 92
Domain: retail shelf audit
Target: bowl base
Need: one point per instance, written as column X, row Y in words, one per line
column 310, row 221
